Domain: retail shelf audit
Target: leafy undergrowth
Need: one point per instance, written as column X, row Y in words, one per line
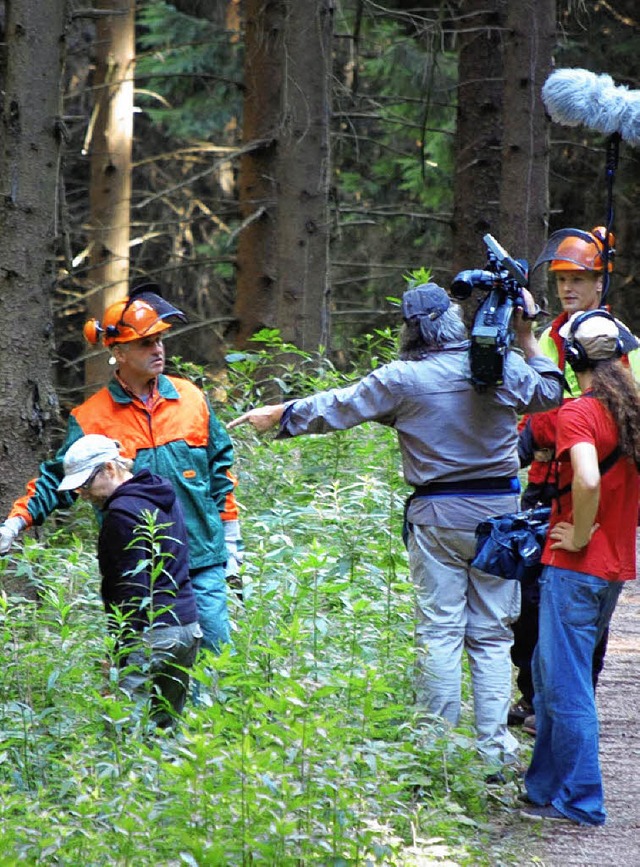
column 300, row 746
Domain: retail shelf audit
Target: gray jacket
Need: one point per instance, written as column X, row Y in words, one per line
column 447, row 431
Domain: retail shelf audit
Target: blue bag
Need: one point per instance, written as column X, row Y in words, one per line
column 510, row 546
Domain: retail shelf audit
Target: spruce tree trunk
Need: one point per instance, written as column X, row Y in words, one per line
column 524, row 190
column 31, row 132
column 283, row 256
column 478, row 130
column 255, row 306
column 303, row 177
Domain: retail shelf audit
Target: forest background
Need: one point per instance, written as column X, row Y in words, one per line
column 279, row 168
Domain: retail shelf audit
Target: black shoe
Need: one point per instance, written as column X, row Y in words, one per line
column 548, row 813
column 518, row 712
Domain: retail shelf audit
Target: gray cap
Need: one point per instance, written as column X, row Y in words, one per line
column 84, row 457
column 427, row 300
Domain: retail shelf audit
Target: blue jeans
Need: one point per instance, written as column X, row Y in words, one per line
column 210, row 589
column 575, row 609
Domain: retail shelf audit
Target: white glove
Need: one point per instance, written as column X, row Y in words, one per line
column 235, row 553
column 9, row 532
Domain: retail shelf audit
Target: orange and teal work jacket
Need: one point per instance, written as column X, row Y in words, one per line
column 176, row 436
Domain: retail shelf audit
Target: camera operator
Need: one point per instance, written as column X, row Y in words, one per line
column 459, row 453
column 576, row 259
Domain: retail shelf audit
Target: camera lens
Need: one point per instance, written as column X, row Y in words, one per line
column 462, row 285
column 466, row 281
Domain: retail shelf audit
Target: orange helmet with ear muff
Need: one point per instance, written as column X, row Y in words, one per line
column 143, row 314
column 582, row 357
column 575, row 250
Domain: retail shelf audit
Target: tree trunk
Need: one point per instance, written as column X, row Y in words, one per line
column 284, row 185
column 255, row 306
column 478, row 131
column 524, row 189
column 303, row 177
column 30, row 129
column 110, row 186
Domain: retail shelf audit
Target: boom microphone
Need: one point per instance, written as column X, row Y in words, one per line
column 578, row 96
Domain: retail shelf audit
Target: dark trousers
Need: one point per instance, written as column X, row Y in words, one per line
column 525, row 638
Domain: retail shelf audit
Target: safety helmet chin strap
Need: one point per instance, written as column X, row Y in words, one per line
column 612, row 155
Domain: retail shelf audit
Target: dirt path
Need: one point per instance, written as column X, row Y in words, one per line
column 618, row 695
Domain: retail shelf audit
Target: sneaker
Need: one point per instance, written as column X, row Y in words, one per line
column 536, row 813
column 518, row 712
column 529, row 725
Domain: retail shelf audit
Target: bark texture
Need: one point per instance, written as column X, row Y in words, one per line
column 524, row 187
column 30, row 133
column 478, row 130
column 255, row 306
column 284, row 183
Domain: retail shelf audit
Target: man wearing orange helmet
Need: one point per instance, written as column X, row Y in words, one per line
column 166, row 425
column 577, row 261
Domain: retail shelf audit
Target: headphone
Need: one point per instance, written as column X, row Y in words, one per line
column 575, row 352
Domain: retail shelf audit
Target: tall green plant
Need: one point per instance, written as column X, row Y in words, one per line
column 303, row 748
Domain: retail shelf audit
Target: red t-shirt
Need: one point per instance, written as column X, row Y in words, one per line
column 611, row 553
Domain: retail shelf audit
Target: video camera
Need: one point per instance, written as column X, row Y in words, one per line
column 491, row 333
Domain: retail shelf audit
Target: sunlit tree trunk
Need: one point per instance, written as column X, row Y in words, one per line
column 31, row 133
column 109, row 143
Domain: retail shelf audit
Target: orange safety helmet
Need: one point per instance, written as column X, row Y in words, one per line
column 142, row 314
column 575, row 250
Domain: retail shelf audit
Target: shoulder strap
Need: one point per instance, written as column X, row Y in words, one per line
column 604, row 466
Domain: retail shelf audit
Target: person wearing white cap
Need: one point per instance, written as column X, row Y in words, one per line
column 145, row 587
column 165, row 423
column 459, row 453
column 590, row 552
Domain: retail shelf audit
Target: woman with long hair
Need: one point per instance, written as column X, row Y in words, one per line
column 589, row 554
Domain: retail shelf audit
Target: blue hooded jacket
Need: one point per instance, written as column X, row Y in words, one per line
column 145, row 573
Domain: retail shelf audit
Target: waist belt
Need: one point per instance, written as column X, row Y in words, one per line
column 472, row 487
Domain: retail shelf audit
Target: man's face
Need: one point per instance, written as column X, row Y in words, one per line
column 578, row 290
column 142, row 359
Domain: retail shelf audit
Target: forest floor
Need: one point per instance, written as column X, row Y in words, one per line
column 556, row 844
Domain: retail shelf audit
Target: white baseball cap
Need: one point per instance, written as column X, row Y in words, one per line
column 598, row 335
column 84, row 457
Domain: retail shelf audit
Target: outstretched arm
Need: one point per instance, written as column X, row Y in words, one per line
column 262, row 418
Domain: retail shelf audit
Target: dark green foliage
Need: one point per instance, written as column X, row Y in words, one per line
column 189, row 73
column 393, row 157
